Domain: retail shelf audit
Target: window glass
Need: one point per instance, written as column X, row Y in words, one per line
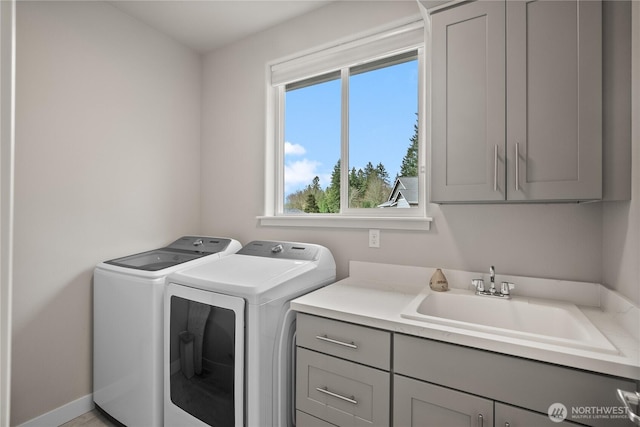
column 345, row 138
column 312, row 129
column 383, row 138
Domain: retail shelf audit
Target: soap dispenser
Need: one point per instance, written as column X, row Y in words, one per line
column 438, row 282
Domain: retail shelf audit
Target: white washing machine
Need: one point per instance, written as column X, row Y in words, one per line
column 229, row 335
column 127, row 326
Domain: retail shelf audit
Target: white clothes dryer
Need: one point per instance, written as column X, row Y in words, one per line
column 229, row 334
column 127, row 326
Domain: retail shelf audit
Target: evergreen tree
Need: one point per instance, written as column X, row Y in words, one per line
column 300, row 200
column 362, row 180
column 382, row 173
column 409, row 166
column 332, row 194
column 315, row 185
column 369, row 170
column 311, row 206
column 355, row 180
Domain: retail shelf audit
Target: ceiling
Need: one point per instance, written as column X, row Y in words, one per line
column 205, row 25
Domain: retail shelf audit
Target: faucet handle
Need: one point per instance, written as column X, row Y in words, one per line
column 505, row 288
column 478, row 284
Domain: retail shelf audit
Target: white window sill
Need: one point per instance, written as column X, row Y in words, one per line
column 326, row 221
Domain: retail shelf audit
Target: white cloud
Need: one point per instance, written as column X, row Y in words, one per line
column 294, row 149
column 299, row 173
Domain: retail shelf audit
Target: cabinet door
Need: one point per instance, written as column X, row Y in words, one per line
column 420, row 404
column 554, row 100
column 509, row 416
column 468, row 103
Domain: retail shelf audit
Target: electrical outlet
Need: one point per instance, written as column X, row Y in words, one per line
column 374, row 238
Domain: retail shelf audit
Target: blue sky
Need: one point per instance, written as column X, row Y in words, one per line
column 382, row 112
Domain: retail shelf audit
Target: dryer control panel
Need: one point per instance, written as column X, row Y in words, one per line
column 201, row 244
column 283, row 250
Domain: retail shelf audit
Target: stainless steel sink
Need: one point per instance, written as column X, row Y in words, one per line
column 536, row 320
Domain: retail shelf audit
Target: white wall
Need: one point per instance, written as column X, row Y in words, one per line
column 7, row 19
column 557, row 241
column 621, row 222
column 107, row 164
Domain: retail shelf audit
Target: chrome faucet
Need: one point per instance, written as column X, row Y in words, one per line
column 505, row 287
column 492, row 277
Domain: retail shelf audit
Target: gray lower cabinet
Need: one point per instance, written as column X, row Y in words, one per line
column 587, row 398
column 510, row 416
column 517, row 101
column 353, row 375
column 420, row 404
column 342, row 374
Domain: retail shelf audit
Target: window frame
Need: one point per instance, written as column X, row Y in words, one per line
column 342, row 57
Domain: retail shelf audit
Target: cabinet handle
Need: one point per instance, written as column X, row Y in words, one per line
column 332, row 341
column 629, row 398
column 517, row 167
column 336, row 395
column 495, row 168
column 506, row 424
column 480, row 420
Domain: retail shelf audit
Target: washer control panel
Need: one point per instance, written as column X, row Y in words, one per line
column 284, row 250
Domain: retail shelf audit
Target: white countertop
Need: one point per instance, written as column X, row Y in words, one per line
column 375, row 294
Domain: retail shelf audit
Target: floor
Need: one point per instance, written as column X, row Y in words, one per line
column 90, row 419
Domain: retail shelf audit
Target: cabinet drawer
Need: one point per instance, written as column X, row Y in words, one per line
column 341, row 392
column 353, row 342
column 521, row 382
column 305, row 420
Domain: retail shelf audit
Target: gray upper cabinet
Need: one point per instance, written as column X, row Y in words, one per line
column 554, row 100
column 468, row 99
column 517, row 101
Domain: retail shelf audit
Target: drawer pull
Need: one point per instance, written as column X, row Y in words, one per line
column 336, row 395
column 480, row 420
column 332, row 341
column 517, row 167
column 629, row 399
column 495, row 168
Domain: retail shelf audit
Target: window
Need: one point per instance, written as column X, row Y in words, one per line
column 346, row 141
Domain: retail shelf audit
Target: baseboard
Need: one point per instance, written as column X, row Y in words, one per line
column 63, row 413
